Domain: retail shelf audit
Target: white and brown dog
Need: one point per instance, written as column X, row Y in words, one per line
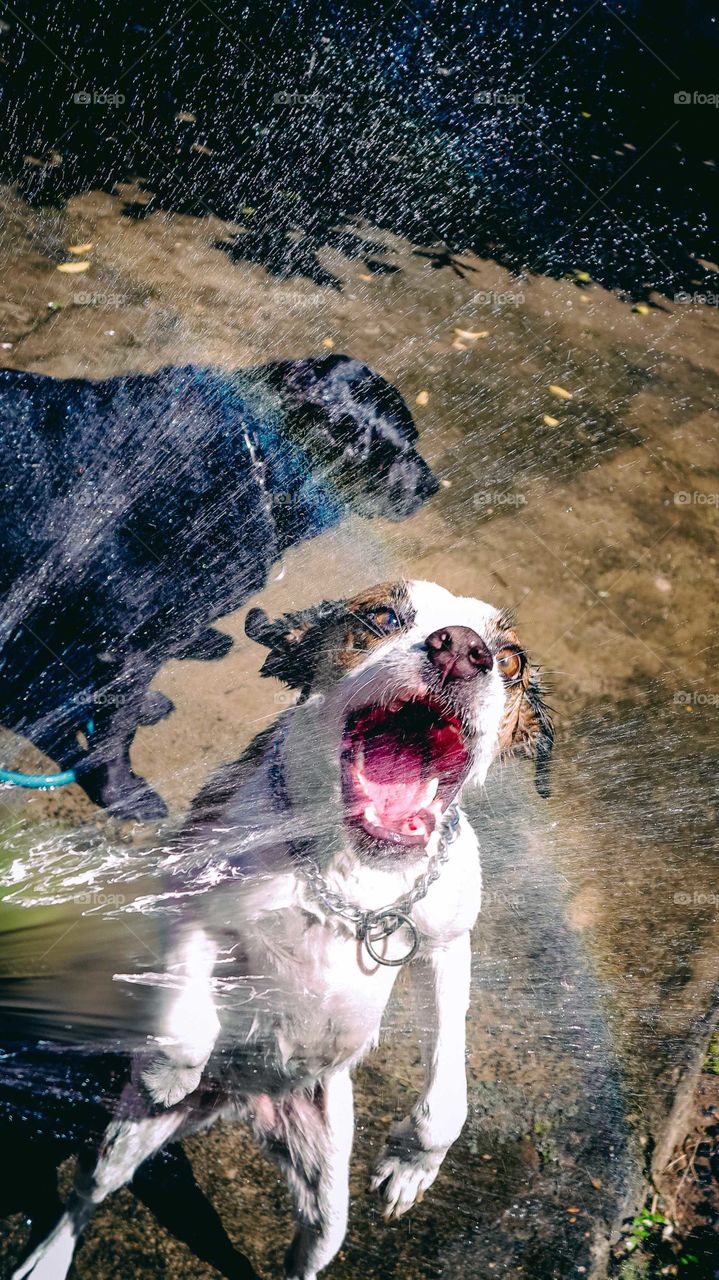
column 331, row 852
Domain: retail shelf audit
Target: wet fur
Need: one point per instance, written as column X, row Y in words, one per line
column 280, row 1056
column 135, row 513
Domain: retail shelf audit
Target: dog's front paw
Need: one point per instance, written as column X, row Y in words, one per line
column 166, row 1083
column 402, row 1179
column 155, row 707
column 52, row 1259
column 209, row 646
column 116, row 788
column 143, row 805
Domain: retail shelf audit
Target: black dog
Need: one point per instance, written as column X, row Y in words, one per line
column 141, row 508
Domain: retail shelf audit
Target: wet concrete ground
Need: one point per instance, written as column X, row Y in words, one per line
column 596, row 517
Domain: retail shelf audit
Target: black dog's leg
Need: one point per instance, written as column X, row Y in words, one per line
column 311, row 1139
column 155, row 707
column 106, row 774
column 208, row 646
column 101, row 759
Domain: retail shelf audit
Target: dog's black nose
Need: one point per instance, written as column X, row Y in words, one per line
column 458, row 653
column 428, row 484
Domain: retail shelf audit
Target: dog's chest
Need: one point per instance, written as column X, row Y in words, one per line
column 298, row 996
column 298, row 990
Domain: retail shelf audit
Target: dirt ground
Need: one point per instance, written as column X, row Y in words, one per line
column 595, row 516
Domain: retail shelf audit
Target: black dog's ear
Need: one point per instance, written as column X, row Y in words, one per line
column 304, row 381
column 533, row 730
column 294, row 640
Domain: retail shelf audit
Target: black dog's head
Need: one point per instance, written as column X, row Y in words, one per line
column 357, row 430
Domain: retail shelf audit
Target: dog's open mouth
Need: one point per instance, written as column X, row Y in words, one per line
column 402, row 765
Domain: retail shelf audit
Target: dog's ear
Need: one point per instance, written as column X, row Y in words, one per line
column 305, row 381
column 533, row 729
column 294, row 640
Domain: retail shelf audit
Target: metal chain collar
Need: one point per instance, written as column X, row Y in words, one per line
column 370, row 926
column 373, row 926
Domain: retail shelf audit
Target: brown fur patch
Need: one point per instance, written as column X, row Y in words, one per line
column 329, row 639
column 358, row 632
column 526, row 728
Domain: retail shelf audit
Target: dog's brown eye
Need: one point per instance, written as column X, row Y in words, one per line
column 510, row 664
column 384, row 619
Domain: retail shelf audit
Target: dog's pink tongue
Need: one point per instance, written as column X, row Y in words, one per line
column 393, row 778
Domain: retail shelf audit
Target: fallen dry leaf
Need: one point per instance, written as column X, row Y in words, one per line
column 641, row 309
column 72, row 268
column 366, row 277
column 549, row 421
column 328, row 342
column 471, row 335
column 560, row 392
column 459, row 346
column 422, row 398
column 79, row 249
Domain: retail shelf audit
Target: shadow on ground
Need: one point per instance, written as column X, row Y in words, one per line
column 551, row 142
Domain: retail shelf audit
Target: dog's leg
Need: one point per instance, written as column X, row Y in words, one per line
column 106, row 775
column 322, row 1203
column 188, row 1020
column 133, row 1136
column 156, row 706
column 417, row 1145
column 311, row 1139
column 209, row 646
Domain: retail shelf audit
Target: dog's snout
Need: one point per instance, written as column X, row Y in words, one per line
column 458, row 653
column 427, row 482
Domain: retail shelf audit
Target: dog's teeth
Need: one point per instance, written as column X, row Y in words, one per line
column 371, row 815
column 432, row 789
